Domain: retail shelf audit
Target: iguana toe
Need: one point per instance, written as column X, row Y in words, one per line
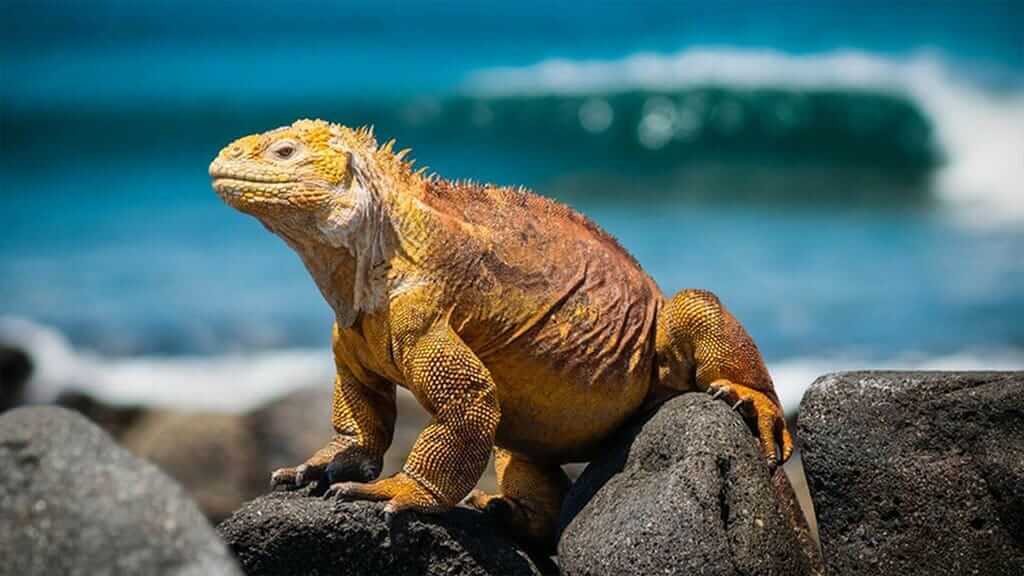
column 295, row 478
column 400, row 491
column 764, row 414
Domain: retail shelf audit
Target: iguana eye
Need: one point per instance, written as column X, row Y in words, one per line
column 284, row 150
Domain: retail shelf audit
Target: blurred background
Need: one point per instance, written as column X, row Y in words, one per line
column 850, row 179
column 848, row 176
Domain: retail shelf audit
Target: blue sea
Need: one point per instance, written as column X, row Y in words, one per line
column 847, row 176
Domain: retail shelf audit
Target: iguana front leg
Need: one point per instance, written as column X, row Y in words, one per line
column 698, row 339
column 450, row 454
column 363, row 416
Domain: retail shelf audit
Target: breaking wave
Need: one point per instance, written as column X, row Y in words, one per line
column 915, row 115
column 704, row 124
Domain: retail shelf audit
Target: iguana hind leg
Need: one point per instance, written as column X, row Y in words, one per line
column 529, row 501
column 702, row 346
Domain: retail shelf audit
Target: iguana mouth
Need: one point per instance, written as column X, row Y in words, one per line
column 235, row 190
column 218, row 175
column 262, row 183
column 229, row 172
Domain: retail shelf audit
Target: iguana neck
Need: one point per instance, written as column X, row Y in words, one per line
column 351, row 262
column 333, row 270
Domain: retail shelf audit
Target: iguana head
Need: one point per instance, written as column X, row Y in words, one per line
column 310, row 178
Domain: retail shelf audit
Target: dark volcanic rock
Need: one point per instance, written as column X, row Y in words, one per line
column 15, row 368
column 293, row 533
column 685, row 492
column 116, row 420
column 73, row 502
column 917, row 472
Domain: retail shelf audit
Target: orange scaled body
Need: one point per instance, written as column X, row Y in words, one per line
column 517, row 323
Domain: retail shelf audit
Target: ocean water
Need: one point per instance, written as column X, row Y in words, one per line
column 848, row 180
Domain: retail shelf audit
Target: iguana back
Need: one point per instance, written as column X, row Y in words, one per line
column 547, row 281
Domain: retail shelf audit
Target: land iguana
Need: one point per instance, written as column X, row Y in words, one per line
column 519, row 325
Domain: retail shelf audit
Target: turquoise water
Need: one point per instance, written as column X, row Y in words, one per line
column 834, row 204
column 164, row 267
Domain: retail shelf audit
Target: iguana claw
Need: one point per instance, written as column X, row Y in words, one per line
column 400, row 491
column 764, row 414
column 295, row 478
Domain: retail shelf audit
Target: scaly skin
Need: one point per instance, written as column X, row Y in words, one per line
column 517, row 323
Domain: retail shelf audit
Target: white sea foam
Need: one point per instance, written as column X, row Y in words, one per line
column 237, row 382
column 981, row 132
column 231, row 382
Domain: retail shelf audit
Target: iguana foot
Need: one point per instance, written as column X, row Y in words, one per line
column 763, row 412
column 530, row 500
column 336, row 462
column 401, row 491
column 533, row 530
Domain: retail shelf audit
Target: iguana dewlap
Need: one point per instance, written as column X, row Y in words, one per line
column 517, row 323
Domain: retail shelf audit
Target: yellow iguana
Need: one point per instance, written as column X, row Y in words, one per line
column 521, row 326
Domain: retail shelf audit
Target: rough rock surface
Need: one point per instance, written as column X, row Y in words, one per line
column 684, row 492
column 286, row 533
column 917, row 472
column 73, row 502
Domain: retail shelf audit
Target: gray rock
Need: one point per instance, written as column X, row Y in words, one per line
column 286, row 533
column 73, row 502
column 221, row 459
column 217, row 458
column 917, row 472
column 684, row 492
